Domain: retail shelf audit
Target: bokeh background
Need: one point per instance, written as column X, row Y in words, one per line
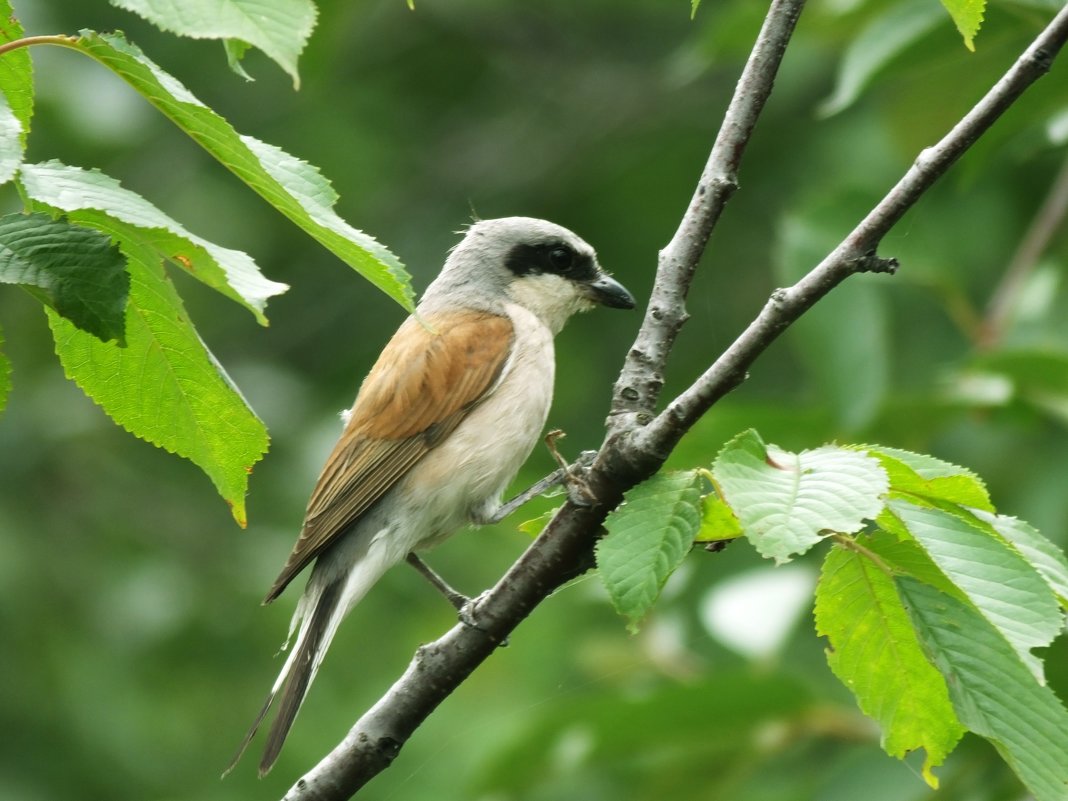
column 134, row 649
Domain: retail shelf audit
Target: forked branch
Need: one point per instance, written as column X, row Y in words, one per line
column 638, row 442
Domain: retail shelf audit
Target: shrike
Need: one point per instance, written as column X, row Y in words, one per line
column 451, row 409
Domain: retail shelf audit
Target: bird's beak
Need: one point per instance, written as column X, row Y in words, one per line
column 609, row 292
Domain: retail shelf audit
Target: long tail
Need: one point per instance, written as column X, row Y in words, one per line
column 330, row 594
column 319, row 618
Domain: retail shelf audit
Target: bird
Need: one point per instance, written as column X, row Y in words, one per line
column 440, row 426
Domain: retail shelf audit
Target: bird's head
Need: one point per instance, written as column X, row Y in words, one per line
column 536, row 264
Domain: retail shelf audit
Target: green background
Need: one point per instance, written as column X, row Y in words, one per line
column 135, row 652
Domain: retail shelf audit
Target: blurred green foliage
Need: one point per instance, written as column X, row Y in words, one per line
column 135, row 652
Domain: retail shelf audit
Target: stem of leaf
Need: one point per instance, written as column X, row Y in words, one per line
column 56, row 39
column 850, row 543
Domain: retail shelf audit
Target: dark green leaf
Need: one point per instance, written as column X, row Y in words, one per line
column 648, row 536
column 992, row 691
column 76, row 271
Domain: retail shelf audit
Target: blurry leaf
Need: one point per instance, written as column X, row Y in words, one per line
column 1004, row 587
column 280, row 28
column 648, row 536
column 680, row 727
column 1043, row 555
column 16, row 71
column 76, row 271
column 293, row 187
column 91, row 198
column 1039, row 377
column 717, row 521
column 1057, row 127
column 694, row 4
column 875, row 653
column 235, row 50
column 884, row 38
column 788, row 502
column 967, row 16
column 5, row 376
column 844, row 340
column 994, row 695
column 932, row 479
column 536, row 525
column 164, row 386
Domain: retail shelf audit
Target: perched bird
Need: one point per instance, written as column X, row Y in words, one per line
column 449, row 412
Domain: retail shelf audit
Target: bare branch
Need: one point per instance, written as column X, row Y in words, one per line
column 638, row 388
column 565, row 549
column 856, row 252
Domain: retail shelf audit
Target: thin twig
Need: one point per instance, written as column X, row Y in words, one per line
column 638, row 388
column 856, row 252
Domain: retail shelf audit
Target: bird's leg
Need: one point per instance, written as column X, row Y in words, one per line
column 458, row 600
column 506, row 508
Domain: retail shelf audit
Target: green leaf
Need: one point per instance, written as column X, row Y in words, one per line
column 164, row 386
column 235, row 50
column 887, row 36
column 292, row 186
column 932, row 479
column 76, row 271
column 875, row 653
column 993, row 693
column 788, row 502
column 536, row 525
column 717, row 521
column 279, row 28
column 5, row 376
column 1043, row 555
column 967, row 16
column 694, row 4
column 1002, row 585
column 1035, row 377
column 16, row 72
column 648, row 536
column 91, row 198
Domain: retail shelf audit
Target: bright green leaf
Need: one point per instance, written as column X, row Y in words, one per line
column 5, row 376
column 967, row 16
column 694, row 4
column 788, row 502
column 931, row 479
column 536, row 525
column 292, row 186
column 1043, row 555
column 648, row 536
column 1001, row 584
column 164, row 386
column 76, row 271
column 16, row 71
column 875, row 653
column 279, row 28
column 235, row 50
column 717, row 521
column 888, row 35
column 91, row 198
column 992, row 691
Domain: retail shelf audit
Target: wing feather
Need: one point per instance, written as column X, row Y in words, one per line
column 429, row 376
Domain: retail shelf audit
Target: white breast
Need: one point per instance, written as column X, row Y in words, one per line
column 466, row 475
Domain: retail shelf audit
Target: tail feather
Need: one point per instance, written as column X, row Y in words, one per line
column 314, row 639
column 317, row 629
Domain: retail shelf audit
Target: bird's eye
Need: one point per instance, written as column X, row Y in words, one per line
column 561, row 259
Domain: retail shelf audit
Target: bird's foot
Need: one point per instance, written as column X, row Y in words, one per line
column 578, row 490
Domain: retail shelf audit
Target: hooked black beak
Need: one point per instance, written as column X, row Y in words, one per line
column 609, row 292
